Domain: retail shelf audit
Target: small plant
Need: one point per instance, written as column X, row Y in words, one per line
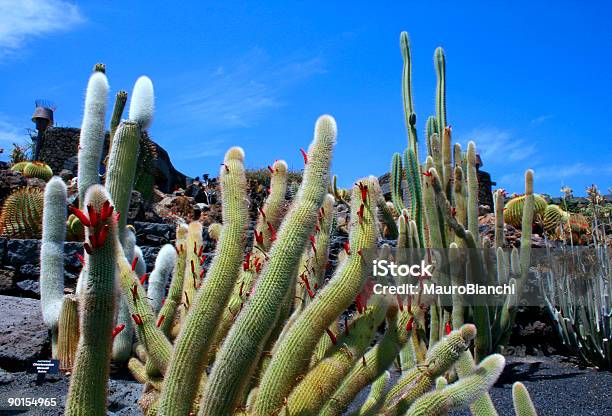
column 38, row 170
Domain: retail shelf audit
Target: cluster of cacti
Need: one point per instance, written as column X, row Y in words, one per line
column 22, row 213
column 230, row 337
column 33, row 169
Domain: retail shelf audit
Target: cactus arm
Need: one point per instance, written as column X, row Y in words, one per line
column 196, row 336
column 413, row 174
column 319, row 384
column 91, row 140
column 272, row 207
column 375, row 396
column 193, row 268
column 387, row 217
column 120, row 100
column 292, row 355
column 122, row 343
column 88, row 384
column 523, row 406
column 122, row 170
column 440, row 65
column 164, row 263
column 409, row 113
column 462, row 392
column 249, row 334
column 68, row 333
column 397, row 175
column 52, row 255
column 447, row 162
column 498, row 203
column 175, row 292
column 421, row 378
column 374, row 364
column 472, row 188
column 142, row 103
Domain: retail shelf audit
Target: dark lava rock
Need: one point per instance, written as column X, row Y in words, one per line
column 7, row 280
column 24, row 337
column 66, row 175
column 21, row 252
column 29, row 271
column 5, row 377
column 29, row 288
column 9, row 181
column 154, row 234
column 150, row 254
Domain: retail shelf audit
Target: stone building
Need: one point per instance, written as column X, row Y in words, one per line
column 60, row 146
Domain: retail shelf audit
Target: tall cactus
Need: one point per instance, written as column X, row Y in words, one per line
column 87, row 391
column 52, row 256
column 91, row 140
column 236, row 360
column 195, row 338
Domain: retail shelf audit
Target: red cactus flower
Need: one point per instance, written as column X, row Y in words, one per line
column 428, row 174
column 317, row 228
column 143, row 279
column 304, row 155
column 364, row 191
column 258, row 268
column 360, row 213
column 271, row 169
column 347, row 247
column 93, row 215
column 160, row 321
column 117, row 330
column 261, row 211
column 333, row 338
column 410, row 324
column 87, row 248
column 200, row 250
column 272, row 232
column 137, row 318
column 202, row 272
column 80, row 215
column 258, row 237
column 247, row 261
column 447, row 328
column 134, row 290
column 102, row 235
column 453, row 212
column 134, row 261
column 81, row 259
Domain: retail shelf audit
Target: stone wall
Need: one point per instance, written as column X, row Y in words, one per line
column 60, row 146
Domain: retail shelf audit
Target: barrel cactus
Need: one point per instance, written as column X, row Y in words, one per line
column 513, row 212
column 22, row 213
column 38, row 170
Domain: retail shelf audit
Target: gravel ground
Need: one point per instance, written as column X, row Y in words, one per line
column 557, row 388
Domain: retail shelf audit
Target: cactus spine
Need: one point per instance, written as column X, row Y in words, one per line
column 52, row 256
column 91, row 140
column 292, row 355
column 237, row 357
column 87, row 392
column 195, row 338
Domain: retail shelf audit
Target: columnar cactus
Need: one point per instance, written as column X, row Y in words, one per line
column 523, row 406
column 91, row 140
column 164, row 264
column 193, row 267
column 87, row 392
column 194, row 341
column 462, row 392
column 52, row 256
column 256, row 321
column 291, row 357
column 68, row 332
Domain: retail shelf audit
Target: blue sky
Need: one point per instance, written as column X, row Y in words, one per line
column 529, row 82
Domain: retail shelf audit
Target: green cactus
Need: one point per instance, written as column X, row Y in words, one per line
column 20, row 166
column 235, row 361
column 193, row 268
column 120, row 100
column 52, row 256
column 269, row 221
column 164, row 264
column 38, row 170
column 214, row 231
column 91, row 140
column 523, row 406
column 292, row 354
column 375, row 396
column 195, row 338
column 87, row 391
column 68, row 333
column 395, row 180
column 22, row 213
column 462, row 392
column 513, row 212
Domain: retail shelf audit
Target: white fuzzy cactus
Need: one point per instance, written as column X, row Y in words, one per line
column 164, row 264
column 142, row 103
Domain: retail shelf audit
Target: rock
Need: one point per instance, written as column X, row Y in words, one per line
column 9, row 181
column 123, row 397
column 24, row 337
column 19, row 252
column 71, row 261
column 197, row 191
column 136, row 208
column 29, row 271
column 175, row 204
column 66, row 175
column 29, row 288
column 71, row 164
column 153, row 234
column 2, row 248
column 5, row 378
column 36, row 183
column 150, row 254
column 7, row 280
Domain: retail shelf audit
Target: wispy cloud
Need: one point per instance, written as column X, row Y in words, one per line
column 541, row 119
column 500, row 147
column 239, row 94
column 21, row 20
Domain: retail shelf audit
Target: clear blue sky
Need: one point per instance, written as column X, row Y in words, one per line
column 530, row 82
